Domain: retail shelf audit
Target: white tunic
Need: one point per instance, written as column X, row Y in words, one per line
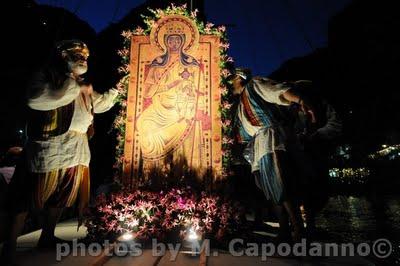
column 71, row 148
column 265, row 139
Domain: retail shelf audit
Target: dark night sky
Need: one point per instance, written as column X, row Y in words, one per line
column 263, row 35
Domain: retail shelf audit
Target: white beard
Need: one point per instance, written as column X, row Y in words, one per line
column 76, row 68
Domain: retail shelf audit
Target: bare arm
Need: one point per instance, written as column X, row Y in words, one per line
column 104, row 102
column 291, row 96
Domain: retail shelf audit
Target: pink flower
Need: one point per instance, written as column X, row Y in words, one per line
column 120, row 229
column 124, row 69
column 159, row 12
column 226, row 105
column 181, row 202
column 225, row 72
column 153, row 214
column 151, row 23
column 226, row 122
column 138, row 31
column 121, row 87
column 126, row 34
column 226, row 140
column 223, row 90
column 133, row 223
column 208, row 28
column 222, row 28
column 223, row 152
column 224, row 46
column 193, row 14
column 111, row 225
column 124, row 52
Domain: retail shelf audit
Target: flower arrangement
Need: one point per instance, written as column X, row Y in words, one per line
column 225, row 64
column 156, row 214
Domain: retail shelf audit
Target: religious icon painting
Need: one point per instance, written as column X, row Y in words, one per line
column 173, row 122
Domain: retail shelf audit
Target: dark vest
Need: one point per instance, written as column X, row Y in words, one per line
column 45, row 124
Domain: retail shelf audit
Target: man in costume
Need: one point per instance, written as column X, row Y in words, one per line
column 315, row 142
column 61, row 107
column 268, row 133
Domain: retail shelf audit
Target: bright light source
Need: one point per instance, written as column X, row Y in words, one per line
column 192, row 235
column 276, row 225
column 126, row 237
column 20, row 131
column 384, row 145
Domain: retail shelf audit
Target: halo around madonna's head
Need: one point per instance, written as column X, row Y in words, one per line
column 175, row 24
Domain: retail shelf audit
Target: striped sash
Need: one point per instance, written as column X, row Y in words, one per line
column 257, row 111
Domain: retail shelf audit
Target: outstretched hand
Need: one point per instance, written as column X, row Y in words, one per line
column 308, row 110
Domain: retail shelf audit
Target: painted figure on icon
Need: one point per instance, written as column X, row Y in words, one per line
column 174, row 117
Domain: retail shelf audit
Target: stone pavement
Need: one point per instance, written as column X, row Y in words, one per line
column 27, row 254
